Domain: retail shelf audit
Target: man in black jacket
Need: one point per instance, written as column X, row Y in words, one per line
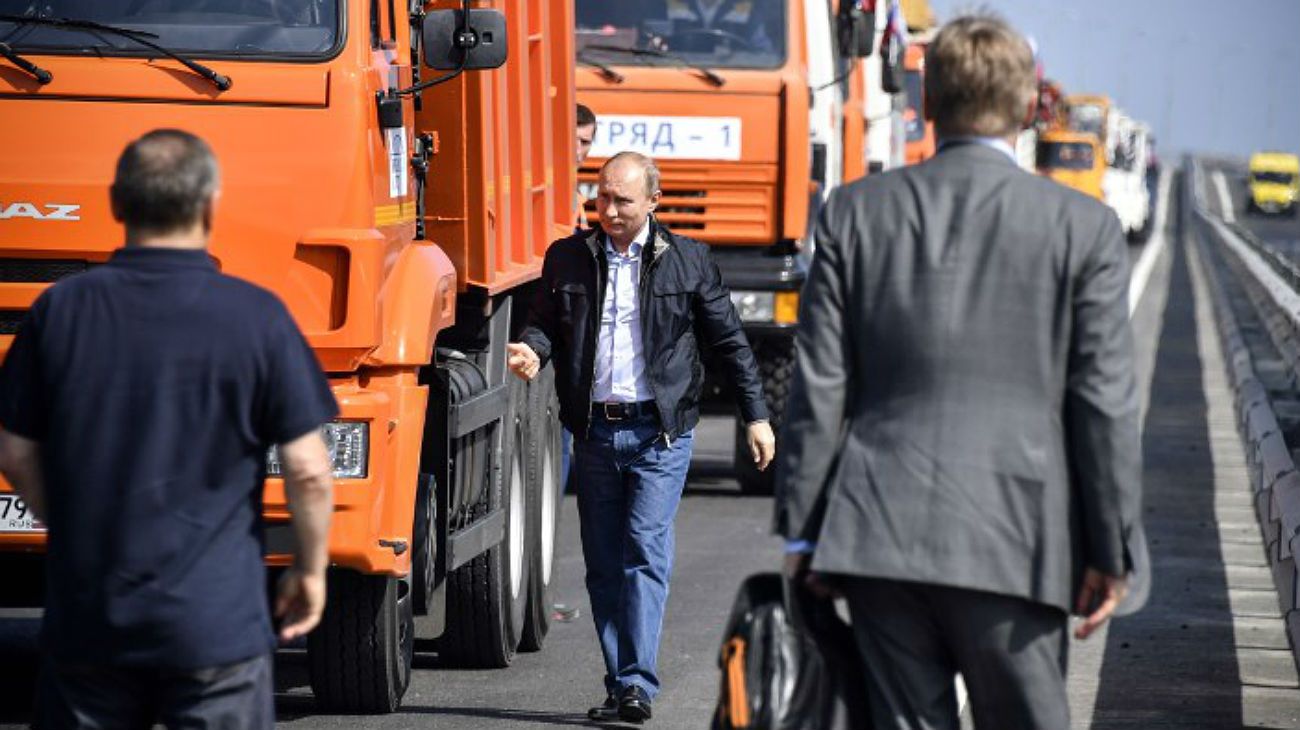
column 623, row 310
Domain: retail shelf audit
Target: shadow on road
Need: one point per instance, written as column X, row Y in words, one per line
column 524, row 717
column 1176, row 658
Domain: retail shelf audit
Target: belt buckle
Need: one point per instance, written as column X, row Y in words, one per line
column 617, row 410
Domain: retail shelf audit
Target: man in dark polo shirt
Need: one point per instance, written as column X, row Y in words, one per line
column 138, row 403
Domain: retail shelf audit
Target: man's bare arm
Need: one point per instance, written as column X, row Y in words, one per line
column 20, row 460
column 309, row 488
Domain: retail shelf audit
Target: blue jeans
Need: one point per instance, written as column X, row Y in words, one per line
column 629, row 483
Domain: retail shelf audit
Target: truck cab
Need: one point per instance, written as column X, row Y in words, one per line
column 741, row 104
column 1074, row 159
column 1274, row 182
column 395, row 185
column 1093, row 114
column 1125, row 146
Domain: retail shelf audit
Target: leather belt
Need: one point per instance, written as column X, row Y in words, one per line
column 623, row 411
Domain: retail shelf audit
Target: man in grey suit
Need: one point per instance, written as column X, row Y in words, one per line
column 962, row 457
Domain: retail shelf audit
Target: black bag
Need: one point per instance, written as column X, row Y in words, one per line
column 788, row 662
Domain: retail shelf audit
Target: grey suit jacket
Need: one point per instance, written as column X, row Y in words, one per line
column 964, row 410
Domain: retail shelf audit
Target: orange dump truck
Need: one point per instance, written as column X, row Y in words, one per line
column 404, row 229
column 743, row 108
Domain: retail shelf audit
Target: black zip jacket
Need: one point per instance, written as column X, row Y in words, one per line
column 684, row 307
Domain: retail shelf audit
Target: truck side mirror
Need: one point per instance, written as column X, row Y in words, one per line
column 857, row 28
column 449, row 42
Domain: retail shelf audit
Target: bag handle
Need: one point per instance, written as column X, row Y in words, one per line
column 734, row 709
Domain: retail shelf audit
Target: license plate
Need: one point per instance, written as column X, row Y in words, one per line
column 693, row 138
column 16, row 517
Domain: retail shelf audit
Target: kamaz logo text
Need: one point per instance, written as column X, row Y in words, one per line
column 46, row 212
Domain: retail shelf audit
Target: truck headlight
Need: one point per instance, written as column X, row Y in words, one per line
column 348, row 443
column 754, row 306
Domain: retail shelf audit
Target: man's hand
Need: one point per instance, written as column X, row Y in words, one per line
column 762, row 443
column 522, row 360
column 798, row 569
column 1098, row 598
column 20, row 462
column 300, row 601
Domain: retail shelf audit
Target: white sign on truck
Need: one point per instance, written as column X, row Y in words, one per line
column 689, row 138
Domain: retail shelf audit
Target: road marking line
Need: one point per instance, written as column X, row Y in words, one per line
column 1225, row 200
column 1147, row 260
column 1284, row 297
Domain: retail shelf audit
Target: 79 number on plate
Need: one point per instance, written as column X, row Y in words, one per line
column 15, row 516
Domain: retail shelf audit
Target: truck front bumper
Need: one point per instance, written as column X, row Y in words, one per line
column 373, row 513
column 765, row 283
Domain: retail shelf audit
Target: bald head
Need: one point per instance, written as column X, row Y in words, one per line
column 165, row 183
column 626, row 195
column 635, row 163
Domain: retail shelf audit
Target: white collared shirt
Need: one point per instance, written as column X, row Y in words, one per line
column 620, row 358
column 996, row 143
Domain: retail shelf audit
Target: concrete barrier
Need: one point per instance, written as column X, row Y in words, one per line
column 1273, row 287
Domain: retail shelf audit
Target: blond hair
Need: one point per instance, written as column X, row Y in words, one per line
column 980, row 77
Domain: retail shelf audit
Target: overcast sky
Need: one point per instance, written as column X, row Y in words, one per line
column 1214, row 77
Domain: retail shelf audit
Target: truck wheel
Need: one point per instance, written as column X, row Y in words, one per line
column 544, row 510
column 776, row 368
column 486, row 597
column 1142, row 233
column 423, row 545
column 360, row 656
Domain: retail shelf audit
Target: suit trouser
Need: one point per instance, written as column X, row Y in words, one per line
column 629, row 482
column 915, row 637
column 84, row 697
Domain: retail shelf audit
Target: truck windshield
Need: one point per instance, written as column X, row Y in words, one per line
column 1087, row 118
column 1277, row 178
column 711, row 33
column 914, row 117
column 234, row 28
column 1065, row 156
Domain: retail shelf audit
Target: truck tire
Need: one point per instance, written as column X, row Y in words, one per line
column 423, row 544
column 776, row 368
column 486, row 597
column 359, row 658
column 546, row 491
column 1142, row 233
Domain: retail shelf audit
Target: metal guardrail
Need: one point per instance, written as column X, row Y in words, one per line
column 1282, row 266
column 1272, row 284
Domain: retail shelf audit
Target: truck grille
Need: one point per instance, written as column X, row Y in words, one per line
column 10, row 320
column 33, row 271
column 39, row 271
column 730, row 214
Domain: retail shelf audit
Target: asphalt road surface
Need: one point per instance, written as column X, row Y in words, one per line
column 1279, row 231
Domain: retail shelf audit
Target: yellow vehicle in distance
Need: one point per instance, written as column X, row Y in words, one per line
column 1274, row 182
column 1074, row 159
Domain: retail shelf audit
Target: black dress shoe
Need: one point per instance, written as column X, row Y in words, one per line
column 634, row 705
column 607, row 712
